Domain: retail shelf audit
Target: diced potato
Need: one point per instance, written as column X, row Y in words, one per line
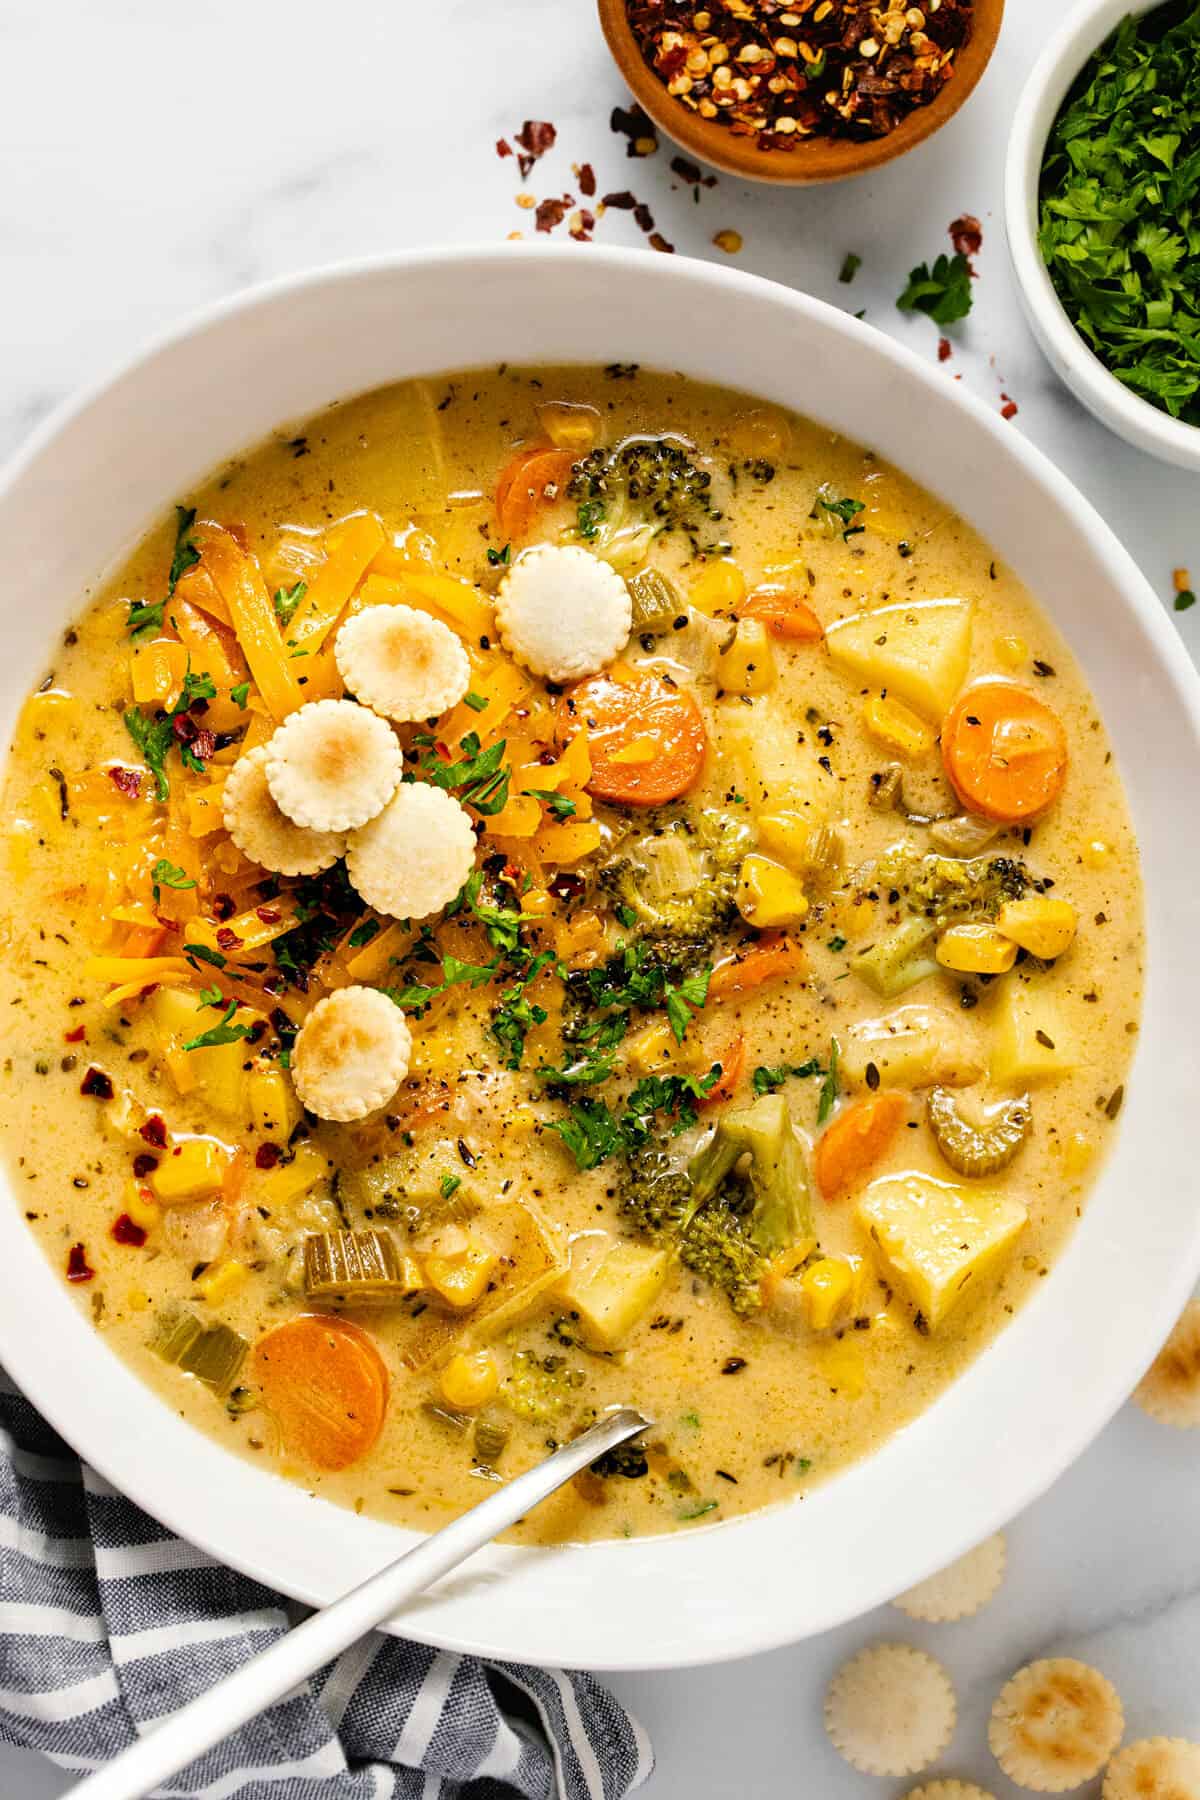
column 939, row 1241
column 768, row 895
column 976, row 950
column 719, row 588
column 289, row 1181
column 1031, row 1041
column 775, row 773
column 917, row 649
column 460, row 1278
column 610, row 1292
column 217, row 1284
column 654, row 1048
column 748, row 666
column 912, row 1047
column 218, row 1069
column 896, row 726
column 193, row 1170
column 1043, row 926
column 274, row 1107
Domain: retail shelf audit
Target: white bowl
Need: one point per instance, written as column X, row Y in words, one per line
column 78, row 498
column 1145, row 426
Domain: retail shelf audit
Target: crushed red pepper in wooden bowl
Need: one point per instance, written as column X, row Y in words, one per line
column 780, row 73
column 837, row 85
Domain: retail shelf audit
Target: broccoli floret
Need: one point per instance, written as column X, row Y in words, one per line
column 677, row 888
column 780, row 1216
column 645, row 486
column 717, row 1247
column 942, row 888
column 541, row 1388
column 655, row 1194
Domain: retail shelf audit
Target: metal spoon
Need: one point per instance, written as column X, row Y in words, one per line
column 205, row 1721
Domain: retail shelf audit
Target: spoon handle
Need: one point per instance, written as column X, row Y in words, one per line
column 257, row 1684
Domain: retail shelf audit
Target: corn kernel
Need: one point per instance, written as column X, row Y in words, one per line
column 226, row 1279
column 141, row 1206
column 137, row 1300
column 768, row 894
column 1040, row 925
column 858, row 918
column 786, row 835
column 976, row 950
column 569, row 426
column 1011, row 652
column 193, row 1170
column 1077, row 1152
column 748, row 666
column 1096, row 854
column 719, row 588
column 536, row 903
column 470, row 1380
column 896, row 725
column 461, row 1278
column 826, row 1285
column 274, row 1107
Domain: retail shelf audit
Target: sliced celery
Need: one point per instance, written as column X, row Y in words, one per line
column 898, row 959
column 212, row 1353
column 354, row 1265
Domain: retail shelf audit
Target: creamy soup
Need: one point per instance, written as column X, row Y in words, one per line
column 690, row 956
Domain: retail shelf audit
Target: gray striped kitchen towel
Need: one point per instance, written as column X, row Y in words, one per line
column 107, row 1622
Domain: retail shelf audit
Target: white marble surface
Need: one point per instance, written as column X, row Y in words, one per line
column 156, row 157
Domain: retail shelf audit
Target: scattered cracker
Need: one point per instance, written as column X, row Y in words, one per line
column 959, row 1590
column 1055, row 1725
column 890, row 1710
column 1170, row 1389
column 333, row 765
column 412, row 860
column 351, row 1053
column 402, row 663
column 1154, row 1769
column 949, row 1790
column 266, row 835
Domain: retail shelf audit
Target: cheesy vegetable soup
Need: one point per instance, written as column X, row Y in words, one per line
column 548, row 889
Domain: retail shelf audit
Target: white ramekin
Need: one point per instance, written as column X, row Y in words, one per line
column 1145, row 426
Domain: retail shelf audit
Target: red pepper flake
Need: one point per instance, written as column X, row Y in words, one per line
column 75, row 1037
column 270, row 915
column 97, row 1084
column 637, row 127
column 535, row 137
column 77, row 1264
column 643, row 216
column 966, row 234
column 267, row 1155
column 227, row 939
column 204, row 744
column 944, row 348
column 127, row 781
column 503, row 147
column 586, row 176
column 1010, row 408
column 552, row 212
column 659, row 242
column 126, row 1232
column 623, row 201
column 154, row 1131
column 144, row 1164
column 581, row 228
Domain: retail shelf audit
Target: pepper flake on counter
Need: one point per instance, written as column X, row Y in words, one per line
column 780, row 73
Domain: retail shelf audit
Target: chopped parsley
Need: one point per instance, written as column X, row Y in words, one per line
column 362, row 934
column 449, row 1184
column 168, row 874
column 479, row 778
column 476, row 702
column 831, row 1086
column 768, row 1080
column 845, row 511
column 224, row 1033
column 590, row 518
column 1118, row 225
column 943, row 292
column 240, row 694
column 593, row 1132
column 561, row 805
column 286, row 602
column 185, row 555
column 1184, row 599
column 851, row 264
column 498, row 558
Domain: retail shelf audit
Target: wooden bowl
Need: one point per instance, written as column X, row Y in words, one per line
column 820, row 158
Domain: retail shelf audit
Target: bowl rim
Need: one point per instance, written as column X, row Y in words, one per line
column 827, row 159
column 1131, row 416
column 462, row 1615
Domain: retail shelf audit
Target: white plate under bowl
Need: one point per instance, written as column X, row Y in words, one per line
column 1138, row 421
column 92, row 481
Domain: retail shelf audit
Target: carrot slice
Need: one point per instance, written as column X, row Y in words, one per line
column 857, row 1138
column 769, row 960
column 327, row 1386
column 522, row 484
column 646, row 737
column 733, row 1067
column 784, row 615
column 1004, row 750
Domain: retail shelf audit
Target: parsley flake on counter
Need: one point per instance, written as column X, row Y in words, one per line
column 943, row 292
